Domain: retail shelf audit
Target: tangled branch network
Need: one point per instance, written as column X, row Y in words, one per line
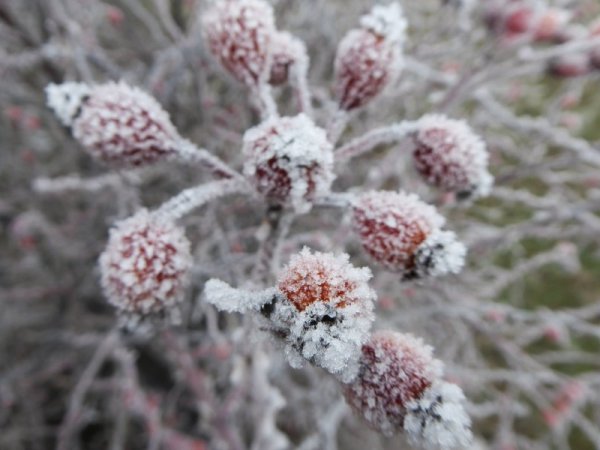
column 298, row 293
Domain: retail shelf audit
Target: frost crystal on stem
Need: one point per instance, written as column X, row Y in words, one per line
column 404, row 234
column 145, row 267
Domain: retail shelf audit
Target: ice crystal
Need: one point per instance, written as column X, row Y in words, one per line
column 66, row 100
column 451, row 157
column 289, row 160
column 145, row 267
column 386, row 21
column 437, row 419
column 227, row 298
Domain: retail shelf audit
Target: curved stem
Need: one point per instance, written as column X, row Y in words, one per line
column 194, row 197
column 373, row 138
column 187, row 151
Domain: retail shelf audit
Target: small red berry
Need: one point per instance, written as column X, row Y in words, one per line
column 145, row 266
column 370, row 57
column 117, row 124
column 451, row 157
column 404, row 234
column 289, row 160
column 327, row 309
column 395, row 368
column 239, row 34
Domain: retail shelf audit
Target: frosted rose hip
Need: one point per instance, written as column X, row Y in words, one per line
column 370, row 57
column 399, row 389
column 395, row 369
column 145, row 267
column 451, row 157
column 405, row 235
column 326, row 308
column 289, row 160
column 239, row 34
column 116, row 123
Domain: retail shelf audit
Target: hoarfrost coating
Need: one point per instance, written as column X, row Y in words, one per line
column 145, row 267
column 289, row 160
column 451, row 157
column 402, row 233
column 117, row 124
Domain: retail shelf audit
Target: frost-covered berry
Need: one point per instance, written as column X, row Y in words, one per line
column 116, row 123
column 239, row 34
column 370, row 57
column 395, row 369
column 289, row 160
column 145, row 267
column 398, row 389
column 570, row 65
column 451, row 157
column 405, row 235
column 287, row 51
column 326, row 308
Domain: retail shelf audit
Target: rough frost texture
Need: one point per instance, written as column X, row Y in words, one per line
column 227, row 298
column 451, row 157
column 402, row 233
column 123, row 126
column 437, row 420
column 395, row 370
column 145, row 266
column 287, row 51
column 239, row 35
column 328, row 310
column 369, row 58
column 289, row 160
column 66, row 100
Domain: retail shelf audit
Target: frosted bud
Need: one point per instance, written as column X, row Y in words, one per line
column 405, row 235
column 116, row 123
column 395, row 369
column 327, row 310
column 449, row 156
column 398, row 389
column 145, row 267
column 370, row 57
column 239, row 35
column 289, row 160
column 287, row 51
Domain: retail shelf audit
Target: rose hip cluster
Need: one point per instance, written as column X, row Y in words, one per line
column 523, row 21
column 321, row 308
